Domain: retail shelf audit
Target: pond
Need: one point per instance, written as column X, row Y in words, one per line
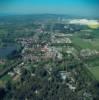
column 5, row 51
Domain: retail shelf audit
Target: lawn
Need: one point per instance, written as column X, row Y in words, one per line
column 95, row 72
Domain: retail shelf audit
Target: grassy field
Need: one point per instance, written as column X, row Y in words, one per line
column 93, row 62
column 94, row 67
column 95, row 44
column 2, row 67
column 84, row 44
column 5, row 78
column 95, row 72
column 92, row 44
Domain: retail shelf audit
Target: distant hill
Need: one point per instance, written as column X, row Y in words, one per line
column 41, row 16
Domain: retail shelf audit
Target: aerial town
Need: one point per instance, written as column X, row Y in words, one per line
column 49, row 57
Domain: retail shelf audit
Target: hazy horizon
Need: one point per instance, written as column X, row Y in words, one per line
column 68, row 7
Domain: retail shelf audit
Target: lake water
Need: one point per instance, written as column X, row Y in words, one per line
column 5, row 51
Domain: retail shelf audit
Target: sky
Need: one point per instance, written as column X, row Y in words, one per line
column 69, row 7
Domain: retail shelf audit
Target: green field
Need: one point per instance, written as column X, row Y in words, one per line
column 94, row 67
column 84, row 44
column 95, row 72
column 92, row 44
column 5, row 78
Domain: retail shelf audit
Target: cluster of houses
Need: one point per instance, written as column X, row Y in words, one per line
column 61, row 38
column 41, row 53
column 88, row 53
column 2, row 61
column 16, row 72
column 68, row 76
